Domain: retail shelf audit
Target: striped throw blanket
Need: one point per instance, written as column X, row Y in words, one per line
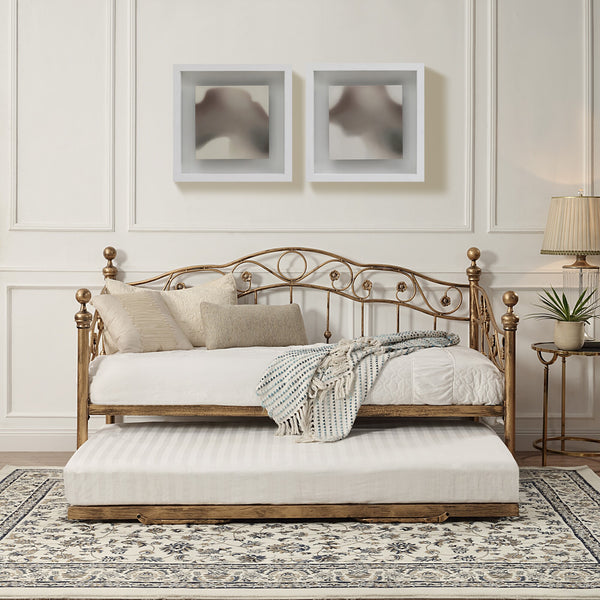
column 316, row 391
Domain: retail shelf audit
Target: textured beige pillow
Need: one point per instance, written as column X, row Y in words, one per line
column 139, row 323
column 185, row 304
column 252, row 325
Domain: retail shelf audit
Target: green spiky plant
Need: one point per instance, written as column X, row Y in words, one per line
column 557, row 308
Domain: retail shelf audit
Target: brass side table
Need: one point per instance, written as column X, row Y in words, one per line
column 542, row 348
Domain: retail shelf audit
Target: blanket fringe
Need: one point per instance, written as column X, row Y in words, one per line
column 296, row 424
column 338, row 366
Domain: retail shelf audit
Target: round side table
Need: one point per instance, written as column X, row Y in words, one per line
column 554, row 353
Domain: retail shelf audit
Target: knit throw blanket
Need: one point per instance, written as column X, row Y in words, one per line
column 316, row 391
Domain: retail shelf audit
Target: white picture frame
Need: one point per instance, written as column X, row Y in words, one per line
column 277, row 166
column 323, row 80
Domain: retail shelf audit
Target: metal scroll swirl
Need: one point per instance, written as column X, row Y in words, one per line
column 366, row 285
column 304, row 267
column 491, row 335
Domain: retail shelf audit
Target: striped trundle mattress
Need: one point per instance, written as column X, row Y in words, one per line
column 427, row 461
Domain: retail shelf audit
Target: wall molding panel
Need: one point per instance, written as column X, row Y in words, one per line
column 17, row 223
column 587, row 106
column 465, row 224
column 37, row 341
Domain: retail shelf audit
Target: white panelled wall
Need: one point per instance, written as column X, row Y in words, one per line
column 511, row 87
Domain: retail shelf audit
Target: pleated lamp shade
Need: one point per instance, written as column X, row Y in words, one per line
column 573, row 226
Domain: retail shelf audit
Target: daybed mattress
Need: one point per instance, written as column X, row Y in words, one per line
column 200, row 463
column 442, row 376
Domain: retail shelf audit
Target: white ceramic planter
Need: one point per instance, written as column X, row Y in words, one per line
column 569, row 335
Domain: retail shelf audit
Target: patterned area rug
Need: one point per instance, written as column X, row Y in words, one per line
column 552, row 550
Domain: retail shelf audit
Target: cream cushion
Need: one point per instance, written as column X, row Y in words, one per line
column 252, row 325
column 185, row 304
column 139, row 323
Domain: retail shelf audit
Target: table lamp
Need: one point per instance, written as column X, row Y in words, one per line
column 573, row 228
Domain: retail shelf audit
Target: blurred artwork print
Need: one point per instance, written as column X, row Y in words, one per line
column 232, row 122
column 365, row 122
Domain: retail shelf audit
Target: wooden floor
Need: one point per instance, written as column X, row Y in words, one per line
column 34, row 459
column 59, row 459
column 533, row 459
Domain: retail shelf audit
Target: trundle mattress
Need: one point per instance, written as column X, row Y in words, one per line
column 246, row 463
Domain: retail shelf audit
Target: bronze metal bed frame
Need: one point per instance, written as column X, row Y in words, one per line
column 264, row 271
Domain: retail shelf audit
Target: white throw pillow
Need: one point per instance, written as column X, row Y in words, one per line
column 185, row 304
column 139, row 323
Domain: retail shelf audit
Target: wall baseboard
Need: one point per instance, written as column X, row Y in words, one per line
column 38, row 440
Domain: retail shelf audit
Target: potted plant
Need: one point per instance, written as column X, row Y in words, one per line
column 570, row 321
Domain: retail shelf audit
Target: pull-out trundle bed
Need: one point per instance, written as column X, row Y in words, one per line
column 418, row 451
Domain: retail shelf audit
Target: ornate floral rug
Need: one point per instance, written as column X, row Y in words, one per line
column 552, row 550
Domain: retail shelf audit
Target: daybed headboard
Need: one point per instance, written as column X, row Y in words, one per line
column 297, row 268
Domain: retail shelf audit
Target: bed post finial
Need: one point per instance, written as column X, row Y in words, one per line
column 473, row 274
column 109, row 271
column 83, row 296
column 510, row 320
column 83, row 319
column 509, row 324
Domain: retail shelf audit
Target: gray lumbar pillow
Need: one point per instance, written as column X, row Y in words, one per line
column 228, row 326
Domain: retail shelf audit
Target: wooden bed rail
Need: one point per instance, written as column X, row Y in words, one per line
column 344, row 278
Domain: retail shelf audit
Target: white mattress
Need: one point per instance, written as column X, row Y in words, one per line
column 454, row 375
column 200, row 463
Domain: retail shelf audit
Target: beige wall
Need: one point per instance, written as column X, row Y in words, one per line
column 86, row 161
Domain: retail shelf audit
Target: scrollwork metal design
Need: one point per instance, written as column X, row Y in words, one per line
column 308, row 268
column 492, row 338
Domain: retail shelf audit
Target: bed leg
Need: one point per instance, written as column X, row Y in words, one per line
column 509, row 323
column 83, row 319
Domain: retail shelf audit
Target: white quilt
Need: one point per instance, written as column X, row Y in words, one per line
column 437, row 376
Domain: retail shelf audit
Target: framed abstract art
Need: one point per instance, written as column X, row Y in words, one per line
column 232, row 123
column 365, row 122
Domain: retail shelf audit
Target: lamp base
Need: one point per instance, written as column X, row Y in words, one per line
column 577, row 277
column 581, row 263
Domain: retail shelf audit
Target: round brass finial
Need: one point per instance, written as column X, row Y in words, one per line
column 510, row 298
column 83, row 296
column 474, row 271
column 509, row 319
column 473, row 253
column 109, row 253
column 110, row 271
column 83, row 318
